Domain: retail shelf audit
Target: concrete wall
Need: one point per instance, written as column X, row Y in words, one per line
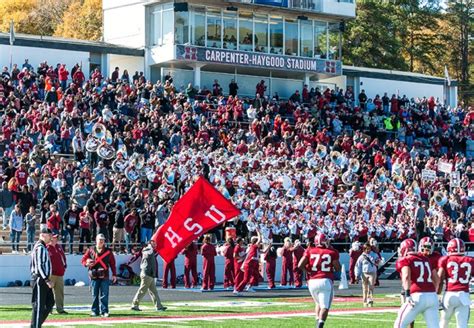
column 130, row 63
column 378, row 86
column 124, row 22
column 37, row 55
column 17, row 267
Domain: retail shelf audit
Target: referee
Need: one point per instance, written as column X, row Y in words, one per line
column 42, row 299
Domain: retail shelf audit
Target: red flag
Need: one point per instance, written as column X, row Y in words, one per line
column 201, row 209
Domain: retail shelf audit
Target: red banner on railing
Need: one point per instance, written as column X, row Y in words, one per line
column 200, row 209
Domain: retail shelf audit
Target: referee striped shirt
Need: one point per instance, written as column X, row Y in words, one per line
column 40, row 261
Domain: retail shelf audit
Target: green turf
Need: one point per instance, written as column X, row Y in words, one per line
column 363, row 320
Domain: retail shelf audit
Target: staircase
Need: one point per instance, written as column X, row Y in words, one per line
column 5, row 241
column 387, row 270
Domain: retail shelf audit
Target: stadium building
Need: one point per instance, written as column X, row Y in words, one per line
column 284, row 42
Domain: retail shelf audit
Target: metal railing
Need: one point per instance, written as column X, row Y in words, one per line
column 341, row 246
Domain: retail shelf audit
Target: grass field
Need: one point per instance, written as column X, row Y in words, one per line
column 231, row 313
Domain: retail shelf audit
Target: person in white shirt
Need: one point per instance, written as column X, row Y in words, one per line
column 366, row 270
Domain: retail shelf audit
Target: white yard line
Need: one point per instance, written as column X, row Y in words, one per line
column 164, row 320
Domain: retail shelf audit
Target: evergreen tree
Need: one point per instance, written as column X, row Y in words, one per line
column 372, row 39
column 460, row 15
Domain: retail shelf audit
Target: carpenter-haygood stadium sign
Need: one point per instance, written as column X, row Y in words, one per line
column 255, row 59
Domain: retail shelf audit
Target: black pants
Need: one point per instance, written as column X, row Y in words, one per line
column 85, row 235
column 42, row 302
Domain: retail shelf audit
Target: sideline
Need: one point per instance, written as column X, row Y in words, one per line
column 214, row 318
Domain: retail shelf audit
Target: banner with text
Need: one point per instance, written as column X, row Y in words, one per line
column 256, row 59
column 445, row 167
column 428, row 175
column 201, row 209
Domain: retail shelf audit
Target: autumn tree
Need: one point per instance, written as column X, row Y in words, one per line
column 20, row 12
column 82, row 20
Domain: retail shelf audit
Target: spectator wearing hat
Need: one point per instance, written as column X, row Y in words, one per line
column 58, row 268
column 148, row 275
column 42, row 299
column 100, row 260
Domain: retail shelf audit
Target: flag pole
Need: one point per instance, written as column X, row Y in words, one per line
column 12, row 41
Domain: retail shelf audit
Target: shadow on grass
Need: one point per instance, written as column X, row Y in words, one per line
column 14, row 309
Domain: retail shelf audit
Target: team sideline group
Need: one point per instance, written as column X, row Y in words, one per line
column 425, row 275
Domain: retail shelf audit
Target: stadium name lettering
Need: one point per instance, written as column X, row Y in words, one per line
column 260, row 60
column 194, row 227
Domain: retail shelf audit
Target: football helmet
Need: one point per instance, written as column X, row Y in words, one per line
column 456, row 246
column 407, row 246
column 426, row 243
column 320, row 239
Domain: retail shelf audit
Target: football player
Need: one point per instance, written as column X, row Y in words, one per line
column 457, row 270
column 321, row 262
column 419, row 282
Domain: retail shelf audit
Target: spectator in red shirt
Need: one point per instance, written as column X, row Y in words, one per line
column 85, row 220
column 78, row 77
column 21, row 175
column 54, row 219
column 63, row 76
column 58, row 268
column 242, row 148
column 130, row 222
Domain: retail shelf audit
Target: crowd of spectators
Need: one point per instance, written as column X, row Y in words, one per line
column 324, row 160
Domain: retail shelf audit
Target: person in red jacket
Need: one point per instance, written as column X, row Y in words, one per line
column 287, row 264
column 100, row 260
column 298, row 252
column 190, row 265
column 270, row 259
column 130, row 222
column 21, row 175
column 354, row 254
column 208, row 252
column 54, row 219
column 63, row 76
column 169, row 269
column 250, row 265
column 239, row 257
column 78, row 77
column 58, row 268
column 228, row 252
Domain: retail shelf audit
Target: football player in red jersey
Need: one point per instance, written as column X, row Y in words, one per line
column 321, row 262
column 419, row 284
column 426, row 247
column 457, row 270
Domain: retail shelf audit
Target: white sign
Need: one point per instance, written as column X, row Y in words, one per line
column 428, row 175
column 455, row 179
column 445, row 167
